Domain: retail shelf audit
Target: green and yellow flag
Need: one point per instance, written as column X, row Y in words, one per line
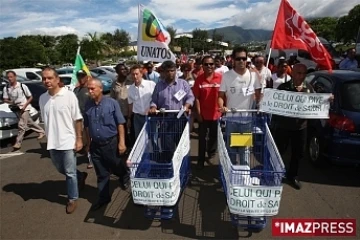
column 79, row 65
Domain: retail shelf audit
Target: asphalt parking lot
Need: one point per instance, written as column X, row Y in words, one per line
column 33, row 198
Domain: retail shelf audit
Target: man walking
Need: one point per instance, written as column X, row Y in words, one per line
column 104, row 126
column 293, row 130
column 241, row 87
column 63, row 126
column 82, row 95
column 18, row 95
column 170, row 93
column 139, row 99
column 206, row 93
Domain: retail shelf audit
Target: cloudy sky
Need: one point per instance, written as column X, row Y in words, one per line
column 57, row 17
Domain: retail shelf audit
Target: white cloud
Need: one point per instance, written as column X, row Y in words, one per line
column 262, row 15
column 53, row 31
column 82, row 16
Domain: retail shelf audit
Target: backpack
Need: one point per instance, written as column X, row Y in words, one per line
column 22, row 88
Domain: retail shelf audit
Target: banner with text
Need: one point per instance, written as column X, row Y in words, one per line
column 254, row 200
column 156, row 192
column 153, row 38
column 295, row 104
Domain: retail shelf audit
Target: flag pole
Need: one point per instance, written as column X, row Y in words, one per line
column 268, row 59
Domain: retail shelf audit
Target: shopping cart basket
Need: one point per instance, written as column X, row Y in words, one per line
column 251, row 168
column 160, row 164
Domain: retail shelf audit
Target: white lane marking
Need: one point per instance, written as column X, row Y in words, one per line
column 9, row 155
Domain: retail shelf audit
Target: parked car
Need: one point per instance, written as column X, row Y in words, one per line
column 337, row 138
column 36, row 88
column 104, row 71
column 29, row 73
column 66, row 79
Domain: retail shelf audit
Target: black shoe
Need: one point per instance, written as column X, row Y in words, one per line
column 295, row 183
column 124, row 185
column 99, row 205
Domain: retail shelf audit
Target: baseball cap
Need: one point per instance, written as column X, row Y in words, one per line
column 282, row 58
column 81, row 73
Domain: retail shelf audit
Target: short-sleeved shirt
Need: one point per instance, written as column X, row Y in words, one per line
column 265, row 75
column 103, row 119
column 348, row 64
column 59, row 112
column 240, row 89
column 17, row 94
column 119, row 92
column 289, row 123
column 278, row 80
column 164, row 95
column 140, row 96
column 207, row 93
column 82, row 95
column 153, row 76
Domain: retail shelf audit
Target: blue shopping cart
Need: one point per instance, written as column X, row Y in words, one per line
column 251, row 168
column 160, row 163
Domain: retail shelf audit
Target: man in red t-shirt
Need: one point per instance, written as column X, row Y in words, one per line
column 206, row 90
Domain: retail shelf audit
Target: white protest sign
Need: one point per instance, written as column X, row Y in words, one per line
column 182, row 149
column 156, row 192
column 296, row 104
column 254, row 200
column 153, row 38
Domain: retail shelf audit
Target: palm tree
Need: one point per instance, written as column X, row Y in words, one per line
column 98, row 45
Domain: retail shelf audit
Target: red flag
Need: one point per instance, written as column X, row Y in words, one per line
column 292, row 31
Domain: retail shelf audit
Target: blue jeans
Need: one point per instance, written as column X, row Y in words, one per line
column 65, row 163
column 139, row 121
column 242, row 152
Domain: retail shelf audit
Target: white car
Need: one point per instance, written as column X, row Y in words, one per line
column 9, row 121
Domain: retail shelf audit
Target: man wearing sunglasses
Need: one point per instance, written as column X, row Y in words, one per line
column 206, row 93
column 241, row 87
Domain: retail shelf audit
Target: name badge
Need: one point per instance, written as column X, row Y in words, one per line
column 180, row 95
column 248, row 90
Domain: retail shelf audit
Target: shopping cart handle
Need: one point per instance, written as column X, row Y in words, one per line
column 163, row 110
column 234, row 110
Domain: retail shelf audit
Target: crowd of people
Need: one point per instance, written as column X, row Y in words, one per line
column 106, row 127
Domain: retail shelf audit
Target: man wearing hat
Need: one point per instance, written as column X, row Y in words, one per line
column 82, row 95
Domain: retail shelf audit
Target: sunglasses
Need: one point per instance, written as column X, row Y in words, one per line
column 208, row 64
column 241, row 58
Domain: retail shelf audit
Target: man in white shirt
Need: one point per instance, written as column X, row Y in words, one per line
column 19, row 96
column 63, row 126
column 220, row 68
column 139, row 98
column 241, row 87
column 264, row 72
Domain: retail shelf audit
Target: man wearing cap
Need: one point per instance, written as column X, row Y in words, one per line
column 151, row 74
column 82, row 94
column 171, row 93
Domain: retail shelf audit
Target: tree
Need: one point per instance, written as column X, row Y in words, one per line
column 347, row 26
column 200, row 40
column 172, row 32
column 67, row 47
column 121, row 39
column 95, row 47
column 324, row 27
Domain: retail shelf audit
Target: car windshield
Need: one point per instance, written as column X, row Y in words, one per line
column 351, row 96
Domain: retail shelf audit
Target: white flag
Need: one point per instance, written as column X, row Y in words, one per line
column 153, row 39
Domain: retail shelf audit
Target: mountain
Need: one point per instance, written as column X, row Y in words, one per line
column 236, row 34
